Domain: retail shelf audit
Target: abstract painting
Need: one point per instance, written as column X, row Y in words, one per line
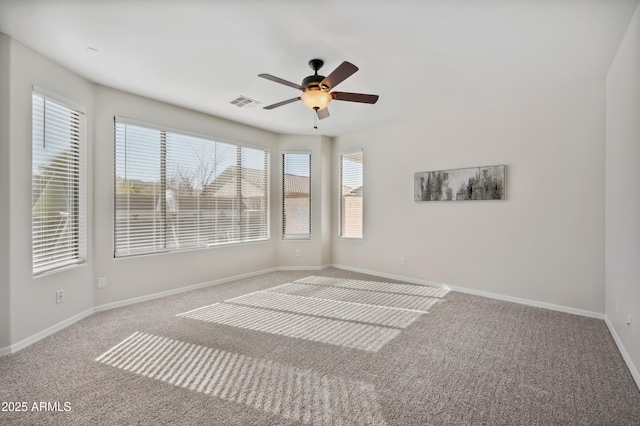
column 475, row 183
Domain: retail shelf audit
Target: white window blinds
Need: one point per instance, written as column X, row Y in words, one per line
column 296, row 195
column 58, row 236
column 179, row 192
column 351, row 194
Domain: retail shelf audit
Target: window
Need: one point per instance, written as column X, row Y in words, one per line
column 179, row 192
column 351, row 194
column 296, row 195
column 57, row 192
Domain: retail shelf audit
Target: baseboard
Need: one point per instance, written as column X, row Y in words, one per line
column 302, row 268
column 48, row 331
column 490, row 295
column 623, row 351
column 535, row 303
column 391, row 276
column 69, row 321
column 148, row 297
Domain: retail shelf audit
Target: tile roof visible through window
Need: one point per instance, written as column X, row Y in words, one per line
column 294, row 184
column 225, row 185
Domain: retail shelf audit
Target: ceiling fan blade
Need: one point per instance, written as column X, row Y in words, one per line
column 323, row 113
column 281, row 81
column 355, row 97
column 338, row 75
column 279, row 104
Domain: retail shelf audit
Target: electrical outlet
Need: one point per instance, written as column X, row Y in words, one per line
column 102, row 282
column 298, row 252
column 403, row 260
column 59, row 296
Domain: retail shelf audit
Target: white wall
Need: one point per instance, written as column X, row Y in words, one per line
column 5, row 307
column 32, row 299
column 544, row 243
column 623, row 195
column 327, row 231
column 143, row 275
column 27, row 304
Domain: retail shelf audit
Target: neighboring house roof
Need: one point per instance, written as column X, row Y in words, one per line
column 294, row 184
column 226, row 184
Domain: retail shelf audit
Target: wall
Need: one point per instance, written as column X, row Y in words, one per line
column 32, row 299
column 28, row 310
column 623, row 196
column 5, row 307
column 143, row 275
column 314, row 253
column 326, row 207
column 544, row 243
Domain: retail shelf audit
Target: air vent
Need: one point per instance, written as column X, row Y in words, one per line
column 244, row 102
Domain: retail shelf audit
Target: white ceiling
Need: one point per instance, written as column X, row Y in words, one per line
column 414, row 54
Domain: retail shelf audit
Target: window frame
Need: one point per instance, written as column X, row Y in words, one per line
column 341, row 196
column 284, row 234
column 80, row 234
column 242, row 226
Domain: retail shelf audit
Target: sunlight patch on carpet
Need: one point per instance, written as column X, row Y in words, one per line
column 356, row 314
column 301, row 395
column 378, row 315
column 411, row 289
column 403, row 301
column 349, row 334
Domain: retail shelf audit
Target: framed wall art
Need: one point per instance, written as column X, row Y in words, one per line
column 475, row 183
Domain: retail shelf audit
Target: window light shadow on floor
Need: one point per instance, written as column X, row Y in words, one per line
column 301, row 395
column 355, row 314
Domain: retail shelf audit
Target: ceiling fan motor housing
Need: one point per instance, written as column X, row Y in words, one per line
column 313, row 82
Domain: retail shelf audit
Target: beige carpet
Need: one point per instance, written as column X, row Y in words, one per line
column 322, row 348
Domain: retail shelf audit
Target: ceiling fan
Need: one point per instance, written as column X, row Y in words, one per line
column 316, row 89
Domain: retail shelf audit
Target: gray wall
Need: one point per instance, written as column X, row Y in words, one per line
column 5, row 305
column 544, row 243
column 623, row 195
column 139, row 276
column 33, row 308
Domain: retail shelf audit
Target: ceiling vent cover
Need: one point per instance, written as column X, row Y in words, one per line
column 244, row 102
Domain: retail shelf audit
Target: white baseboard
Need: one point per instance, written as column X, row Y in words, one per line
column 625, row 355
column 551, row 306
column 104, row 307
column 490, row 295
column 147, row 297
column 302, row 268
column 59, row 326
column 391, row 276
column 47, row 332
column 623, row 351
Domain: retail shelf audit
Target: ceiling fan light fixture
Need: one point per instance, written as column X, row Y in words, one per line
column 316, row 98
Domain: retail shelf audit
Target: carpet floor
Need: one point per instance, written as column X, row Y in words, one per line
column 322, row 348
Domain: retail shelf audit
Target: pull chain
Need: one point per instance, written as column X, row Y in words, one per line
column 315, row 118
